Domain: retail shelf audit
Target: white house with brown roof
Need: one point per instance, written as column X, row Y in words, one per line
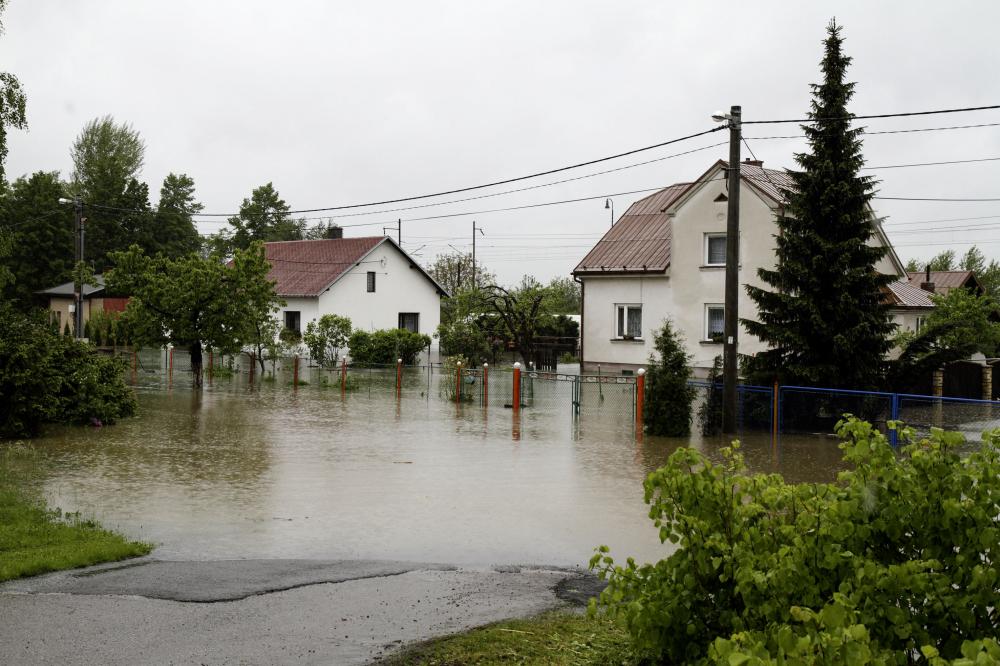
column 665, row 258
column 370, row 280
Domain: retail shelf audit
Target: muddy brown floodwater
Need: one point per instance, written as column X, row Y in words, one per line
column 269, row 471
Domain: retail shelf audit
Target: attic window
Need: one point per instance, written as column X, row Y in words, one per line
column 719, row 199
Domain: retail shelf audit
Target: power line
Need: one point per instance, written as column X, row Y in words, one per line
column 473, row 187
column 900, row 131
column 947, row 219
column 872, row 116
column 953, row 199
column 922, row 164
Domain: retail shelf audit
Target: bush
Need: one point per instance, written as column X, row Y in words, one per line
column 384, row 347
column 898, row 557
column 667, row 408
column 710, row 412
column 464, row 338
column 324, row 339
column 45, row 377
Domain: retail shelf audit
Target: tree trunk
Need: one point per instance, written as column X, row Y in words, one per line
column 195, row 350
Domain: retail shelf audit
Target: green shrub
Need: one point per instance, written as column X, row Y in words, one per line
column 667, row 407
column 464, row 338
column 384, row 347
column 710, row 411
column 896, row 557
column 324, row 339
column 45, row 377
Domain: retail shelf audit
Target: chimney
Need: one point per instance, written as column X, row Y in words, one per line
column 927, row 285
column 334, row 231
column 756, row 163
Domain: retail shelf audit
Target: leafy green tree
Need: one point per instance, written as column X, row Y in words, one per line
column 12, row 105
column 942, row 261
column 191, row 302
column 988, row 273
column 42, row 231
column 465, row 338
column 174, row 232
column 324, row 339
column 522, row 311
column 566, row 295
column 667, row 406
column 385, row 346
column 107, row 158
column 453, row 271
column 825, row 319
column 264, row 217
column 895, row 559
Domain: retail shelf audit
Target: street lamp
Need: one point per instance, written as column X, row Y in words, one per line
column 608, row 203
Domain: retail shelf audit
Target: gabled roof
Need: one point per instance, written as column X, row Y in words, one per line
column 639, row 242
column 903, row 294
column 307, row 268
column 945, row 281
column 67, row 289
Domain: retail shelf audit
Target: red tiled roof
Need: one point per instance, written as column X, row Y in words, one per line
column 307, row 267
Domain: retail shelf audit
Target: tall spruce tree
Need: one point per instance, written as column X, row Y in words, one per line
column 825, row 319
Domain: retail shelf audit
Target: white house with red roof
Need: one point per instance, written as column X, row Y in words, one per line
column 665, row 258
column 370, row 280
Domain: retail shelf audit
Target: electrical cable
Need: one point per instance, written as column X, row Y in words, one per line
column 872, row 116
column 900, row 131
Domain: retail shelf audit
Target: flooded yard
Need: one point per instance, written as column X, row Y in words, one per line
column 269, row 471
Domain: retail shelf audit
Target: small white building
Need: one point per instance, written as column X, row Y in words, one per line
column 370, row 280
column 665, row 258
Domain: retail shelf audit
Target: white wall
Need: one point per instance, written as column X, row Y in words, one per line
column 689, row 285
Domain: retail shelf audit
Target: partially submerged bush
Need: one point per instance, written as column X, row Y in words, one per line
column 899, row 556
column 385, row 346
column 667, row 409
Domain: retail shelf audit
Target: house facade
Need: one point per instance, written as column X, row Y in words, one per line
column 62, row 302
column 665, row 258
column 370, row 280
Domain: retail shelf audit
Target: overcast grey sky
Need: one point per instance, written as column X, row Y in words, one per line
column 340, row 103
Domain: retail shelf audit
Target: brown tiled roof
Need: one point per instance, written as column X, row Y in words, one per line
column 945, row 281
column 640, row 241
column 307, row 267
column 903, row 294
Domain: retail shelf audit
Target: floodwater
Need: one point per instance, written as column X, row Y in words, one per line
column 271, row 471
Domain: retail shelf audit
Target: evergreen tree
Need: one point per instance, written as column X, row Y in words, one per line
column 667, row 408
column 174, row 233
column 825, row 319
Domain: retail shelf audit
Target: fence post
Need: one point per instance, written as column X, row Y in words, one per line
column 295, row 372
column 516, row 403
column 774, row 413
column 640, row 397
column 399, row 377
column 135, row 361
column 211, row 364
column 343, row 375
column 894, row 416
column 170, row 363
column 458, row 382
column 486, row 384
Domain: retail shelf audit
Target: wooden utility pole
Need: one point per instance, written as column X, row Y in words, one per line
column 730, row 349
column 475, row 284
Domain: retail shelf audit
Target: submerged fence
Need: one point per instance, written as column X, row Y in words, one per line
column 775, row 410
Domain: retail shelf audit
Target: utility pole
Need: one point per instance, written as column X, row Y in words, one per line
column 78, row 229
column 730, row 349
column 475, row 285
column 399, row 231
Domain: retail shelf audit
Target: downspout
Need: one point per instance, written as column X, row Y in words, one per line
column 583, row 301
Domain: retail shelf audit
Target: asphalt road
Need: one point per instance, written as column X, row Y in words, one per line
column 150, row 611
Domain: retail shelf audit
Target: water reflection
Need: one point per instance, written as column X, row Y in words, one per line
column 240, row 471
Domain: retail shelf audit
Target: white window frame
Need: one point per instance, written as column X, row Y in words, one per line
column 919, row 324
column 706, row 336
column 705, row 256
column 627, row 307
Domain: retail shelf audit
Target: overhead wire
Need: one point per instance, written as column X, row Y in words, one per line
column 904, row 114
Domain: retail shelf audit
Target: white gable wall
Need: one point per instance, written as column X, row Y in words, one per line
column 689, row 286
column 398, row 288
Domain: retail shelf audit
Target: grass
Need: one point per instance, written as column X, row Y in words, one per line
column 35, row 539
column 558, row 638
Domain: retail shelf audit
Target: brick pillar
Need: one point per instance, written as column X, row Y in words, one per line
column 938, row 382
column 937, row 417
column 987, row 382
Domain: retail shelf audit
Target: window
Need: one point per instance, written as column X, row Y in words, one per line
column 410, row 321
column 715, row 323
column 921, row 322
column 629, row 322
column 371, row 282
column 715, row 249
column 293, row 320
